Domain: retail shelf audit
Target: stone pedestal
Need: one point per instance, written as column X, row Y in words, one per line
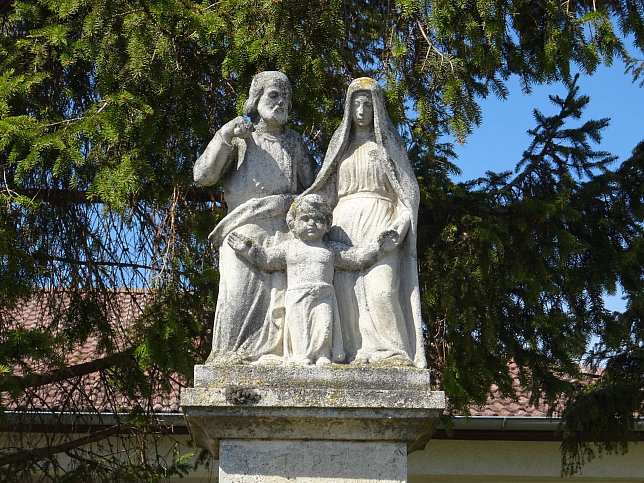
column 337, row 422
column 312, row 461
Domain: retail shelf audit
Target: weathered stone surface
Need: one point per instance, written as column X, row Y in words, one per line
column 331, row 386
column 368, row 311
column 367, row 179
column 348, row 295
column 312, row 332
column 263, row 165
column 334, row 376
column 312, row 461
column 329, row 403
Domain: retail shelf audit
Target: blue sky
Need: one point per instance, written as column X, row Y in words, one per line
column 497, row 144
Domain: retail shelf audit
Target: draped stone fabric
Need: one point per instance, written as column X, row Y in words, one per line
column 371, row 186
column 262, row 172
column 368, row 181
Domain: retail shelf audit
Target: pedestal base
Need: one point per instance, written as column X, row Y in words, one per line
column 312, row 461
column 334, row 422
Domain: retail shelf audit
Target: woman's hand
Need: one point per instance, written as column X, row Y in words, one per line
column 388, row 240
column 401, row 226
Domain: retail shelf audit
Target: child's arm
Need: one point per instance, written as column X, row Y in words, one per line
column 358, row 258
column 268, row 260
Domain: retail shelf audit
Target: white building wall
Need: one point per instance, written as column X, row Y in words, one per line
column 445, row 460
column 451, row 460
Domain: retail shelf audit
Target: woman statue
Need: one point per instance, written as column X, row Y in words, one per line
column 368, row 180
column 263, row 164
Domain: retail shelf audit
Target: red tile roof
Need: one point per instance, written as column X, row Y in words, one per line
column 98, row 395
column 497, row 405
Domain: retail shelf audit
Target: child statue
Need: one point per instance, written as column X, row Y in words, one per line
column 312, row 332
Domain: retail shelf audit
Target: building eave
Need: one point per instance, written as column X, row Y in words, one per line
column 508, row 428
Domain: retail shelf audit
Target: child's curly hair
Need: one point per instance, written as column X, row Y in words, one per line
column 314, row 203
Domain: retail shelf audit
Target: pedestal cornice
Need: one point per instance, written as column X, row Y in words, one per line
column 329, row 403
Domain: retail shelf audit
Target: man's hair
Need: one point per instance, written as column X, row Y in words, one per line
column 257, row 86
column 313, row 203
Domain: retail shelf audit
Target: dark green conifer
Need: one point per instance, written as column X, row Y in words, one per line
column 104, row 107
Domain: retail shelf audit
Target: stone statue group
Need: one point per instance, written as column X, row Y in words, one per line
column 315, row 269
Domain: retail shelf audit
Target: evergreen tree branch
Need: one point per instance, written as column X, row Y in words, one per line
column 41, row 453
column 507, row 274
column 99, row 263
column 62, row 374
column 64, row 197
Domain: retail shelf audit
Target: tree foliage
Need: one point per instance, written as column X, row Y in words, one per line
column 104, row 106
